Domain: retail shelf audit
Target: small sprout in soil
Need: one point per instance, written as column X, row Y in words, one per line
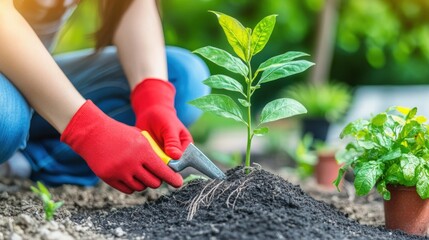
column 246, row 43
column 49, row 205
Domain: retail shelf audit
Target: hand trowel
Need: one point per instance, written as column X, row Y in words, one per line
column 192, row 157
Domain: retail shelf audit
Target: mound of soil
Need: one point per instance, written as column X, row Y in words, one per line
column 254, row 206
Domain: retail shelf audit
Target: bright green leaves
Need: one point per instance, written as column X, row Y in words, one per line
column 236, row 34
column 224, row 59
column 261, row 34
column 282, row 66
column 220, row 105
column 224, row 82
column 281, row 108
column 390, row 148
column 367, row 176
column 281, row 59
column 409, row 164
column 355, row 129
column 49, row 206
column 379, row 120
column 382, row 189
column 246, row 43
column 422, row 185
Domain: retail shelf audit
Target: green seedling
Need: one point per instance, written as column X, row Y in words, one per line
column 304, row 157
column 246, row 43
column 390, row 148
column 49, row 205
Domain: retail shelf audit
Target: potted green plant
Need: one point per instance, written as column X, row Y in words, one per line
column 318, row 159
column 390, row 151
column 326, row 103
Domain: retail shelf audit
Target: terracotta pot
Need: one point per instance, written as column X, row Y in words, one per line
column 406, row 211
column 326, row 170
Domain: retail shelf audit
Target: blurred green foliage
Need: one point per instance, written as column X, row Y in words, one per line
column 378, row 41
column 392, row 36
column 329, row 101
column 77, row 32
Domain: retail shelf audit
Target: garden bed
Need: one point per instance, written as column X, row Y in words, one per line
column 260, row 205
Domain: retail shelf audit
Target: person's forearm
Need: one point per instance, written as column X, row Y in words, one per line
column 140, row 42
column 29, row 66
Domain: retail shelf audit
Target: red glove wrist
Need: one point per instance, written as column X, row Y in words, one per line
column 115, row 152
column 153, row 103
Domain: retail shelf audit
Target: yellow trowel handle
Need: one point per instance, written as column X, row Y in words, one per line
column 165, row 158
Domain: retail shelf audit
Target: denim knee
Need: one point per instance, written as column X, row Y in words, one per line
column 15, row 115
column 187, row 71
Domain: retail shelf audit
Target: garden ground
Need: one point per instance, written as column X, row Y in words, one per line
column 263, row 204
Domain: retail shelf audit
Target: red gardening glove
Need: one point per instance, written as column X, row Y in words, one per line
column 153, row 103
column 118, row 154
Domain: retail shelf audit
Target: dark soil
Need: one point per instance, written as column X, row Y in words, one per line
column 22, row 215
column 255, row 206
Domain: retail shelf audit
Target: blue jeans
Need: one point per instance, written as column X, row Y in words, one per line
column 99, row 78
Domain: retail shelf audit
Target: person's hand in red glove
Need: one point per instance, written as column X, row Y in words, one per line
column 118, row 154
column 153, row 103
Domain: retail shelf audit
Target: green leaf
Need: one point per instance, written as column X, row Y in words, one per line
column 261, row 131
column 57, row 205
column 366, row 144
column 224, row 82
column 224, row 59
column 220, row 105
column 422, row 185
column 35, row 190
column 394, row 154
column 379, row 120
column 409, row 164
column 244, row 102
column 283, row 70
column 261, row 34
column 281, row 59
column 411, row 129
column 281, row 108
column 394, row 174
column 43, row 189
column 354, row 128
column 382, row 189
column 366, row 177
column 382, row 140
column 411, row 114
column 340, row 175
column 237, row 35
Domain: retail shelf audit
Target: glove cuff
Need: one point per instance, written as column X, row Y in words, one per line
column 151, row 92
column 86, row 118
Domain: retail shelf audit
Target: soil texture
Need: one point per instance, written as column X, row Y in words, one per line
column 259, row 205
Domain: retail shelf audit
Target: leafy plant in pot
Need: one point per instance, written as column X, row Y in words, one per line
column 390, row 151
column 316, row 158
column 246, row 43
column 325, row 103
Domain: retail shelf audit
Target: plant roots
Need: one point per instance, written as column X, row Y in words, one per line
column 215, row 189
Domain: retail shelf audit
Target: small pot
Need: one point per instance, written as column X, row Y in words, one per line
column 318, row 127
column 326, row 170
column 406, row 211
